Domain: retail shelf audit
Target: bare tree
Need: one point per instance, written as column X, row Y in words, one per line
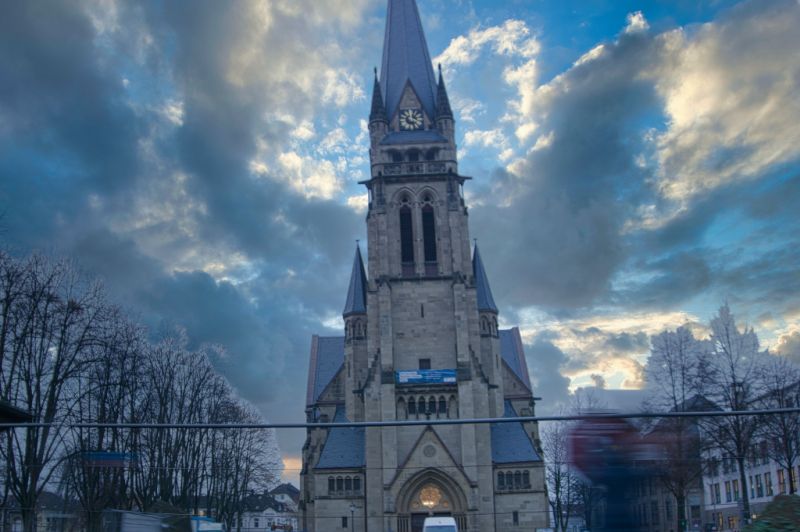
column 675, row 372
column 781, row 379
column 563, row 482
column 96, row 471
column 50, row 331
column 67, row 356
column 734, row 369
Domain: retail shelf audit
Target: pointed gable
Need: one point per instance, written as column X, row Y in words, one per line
column 406, row 58
column 356, row 302
column 485, row 299
column 327, row 358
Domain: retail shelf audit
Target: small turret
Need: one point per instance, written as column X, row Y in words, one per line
column 486, row 305
column 444, row 113
column 378, row 121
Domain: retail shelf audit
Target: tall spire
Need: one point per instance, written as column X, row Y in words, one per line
column 378, row 111
column 406, row 58
column 485, row 299
column 357, row 292
column 443, row 109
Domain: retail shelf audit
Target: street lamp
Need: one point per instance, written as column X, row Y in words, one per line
column 352, row 516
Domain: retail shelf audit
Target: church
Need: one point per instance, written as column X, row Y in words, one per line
column 421, row 339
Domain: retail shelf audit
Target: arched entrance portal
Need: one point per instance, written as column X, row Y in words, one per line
column 430, row 493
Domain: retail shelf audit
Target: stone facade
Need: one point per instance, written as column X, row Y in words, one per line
column 421, row 340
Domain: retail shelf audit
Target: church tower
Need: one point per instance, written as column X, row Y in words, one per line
column 421, row 338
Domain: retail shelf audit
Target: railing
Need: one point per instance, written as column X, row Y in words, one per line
column 414, row 168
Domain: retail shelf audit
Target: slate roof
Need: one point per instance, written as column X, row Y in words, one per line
column 406, row 58
column 356, row 302
column 412, row 137
column 513, row 354
column 327, row 358
column 344, row 447
column 260, row 502
column 485, row 299
column 510, row 442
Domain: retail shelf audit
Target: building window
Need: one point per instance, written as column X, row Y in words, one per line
column 255, row 522
column 509, row 480
column 339, row 484
column 344, row 522
column 759, row 486
column 412, row 406
column 406, row 239
column 717, row 497
column 515, row 517
column 526, row 479
column 768, row 482
column 517, row 479
column 781, row 481
column 752, row 488
column 728, row 494
column 357, row 484
column 424, row 363
column 331, row 485
column 421, row 405
column 654, row 512
column 736, row 490
column 501, row 480
column 429, row 233
column 348, row 484
column 442, row 406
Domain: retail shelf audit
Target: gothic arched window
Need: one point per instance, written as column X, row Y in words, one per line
column 406, row 239
column 357, row 484
column 339, row 484
column 501, row 480
column 526, row 479
column 412, row 406
column 509, row 479
column 331, row 485
column 442, row 406
column 421, row 405
column 517, row 479
column 348, row 484
column 429, row 233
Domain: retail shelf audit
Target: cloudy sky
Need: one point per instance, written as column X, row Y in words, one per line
column 635, row 165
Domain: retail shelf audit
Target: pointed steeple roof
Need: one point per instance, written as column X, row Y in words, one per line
column 485, row 299
column 378, row 110
column 357, row 292
column 443, row 109
column 406, row 58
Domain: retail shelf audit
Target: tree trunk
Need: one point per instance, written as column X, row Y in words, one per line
column 680, row 502
column 745, row 494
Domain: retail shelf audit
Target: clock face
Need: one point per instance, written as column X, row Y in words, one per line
column 410, row 119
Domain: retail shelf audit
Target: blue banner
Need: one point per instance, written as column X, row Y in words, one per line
column 427, row 376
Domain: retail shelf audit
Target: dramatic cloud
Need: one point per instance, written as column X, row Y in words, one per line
column 205, row 162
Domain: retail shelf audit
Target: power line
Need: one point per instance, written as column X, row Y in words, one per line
column 404, row 423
